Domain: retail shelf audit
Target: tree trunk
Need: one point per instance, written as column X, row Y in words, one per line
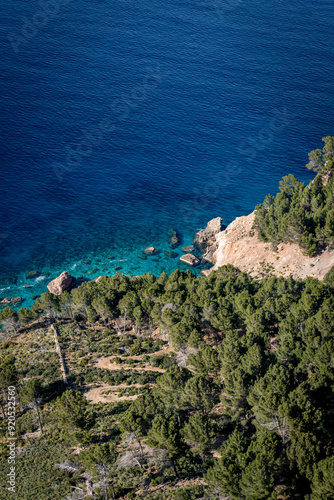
column 4, row 394
column 106, row 482
column 38, row 417
column 174, row 468
column 18, row 397
column 2, row 410
column 117, row 326
column 140, row 446
column 89, row 489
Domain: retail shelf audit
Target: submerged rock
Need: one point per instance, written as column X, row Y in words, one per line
column 175, row 239
column 4, row 301
column 16, row 300
column 189, row 259
column 150, row 251
column 93, row 271
column 64, row 282
column 12, row 300
column 170, row 254
column 117, row 268
column 32, row 274
column 188, row 249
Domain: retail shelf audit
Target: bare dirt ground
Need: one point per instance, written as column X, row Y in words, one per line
column 107, row 363
column 237, row 247
column 31, row 435
column 97, row 394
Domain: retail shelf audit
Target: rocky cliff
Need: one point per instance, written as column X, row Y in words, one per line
column 239, row 245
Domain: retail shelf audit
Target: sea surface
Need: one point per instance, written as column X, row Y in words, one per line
column 122, row 119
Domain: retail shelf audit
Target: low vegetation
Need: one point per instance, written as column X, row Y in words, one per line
column 241, row 407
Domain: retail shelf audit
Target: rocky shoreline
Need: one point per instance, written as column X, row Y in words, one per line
column 236, row 244
column 160, row 256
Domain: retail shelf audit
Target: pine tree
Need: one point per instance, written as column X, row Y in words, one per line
column 166, row 434
column 303, row 452
column 198, row 432
column 264, row 456
column 25, row 315
column 103, row 308
column 205, row 361
column 322, row 161
column 323, row 480
column 48, row 304
column 235, row 391
column 31, row 394
column 170, row 386
column 8, row 319
column 70, row 413
column 257, row 482
column 100, row 460
column 200, row 394
column 226, row 472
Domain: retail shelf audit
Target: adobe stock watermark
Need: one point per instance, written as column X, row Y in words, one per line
column 120, row 110
column 11, row 417
column 46, row 10
column 248, row 149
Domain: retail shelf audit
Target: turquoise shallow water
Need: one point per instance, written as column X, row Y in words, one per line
column 128, row 258
column 201, row 108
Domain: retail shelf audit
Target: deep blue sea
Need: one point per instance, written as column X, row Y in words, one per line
column 122, row 119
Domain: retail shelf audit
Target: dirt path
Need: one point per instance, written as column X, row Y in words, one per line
column 61, row 358
column 31, row 435
column 94, row 395
column 107, row 364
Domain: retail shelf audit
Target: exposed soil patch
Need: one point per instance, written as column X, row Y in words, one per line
column 107, row 363
column 101, row 394
column 31, row 435
column 236, row 246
